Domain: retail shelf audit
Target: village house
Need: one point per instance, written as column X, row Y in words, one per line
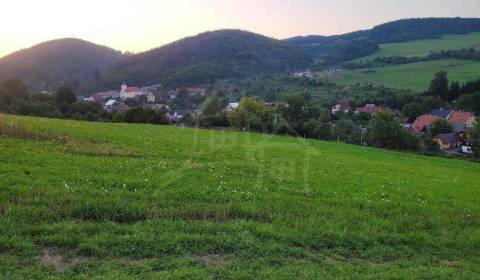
column 441, row 113
column 127, row 92
column 369, row 109
column 460, row 130
column 151, row 97
column 88, row 99
column 449, row 141
column 231, row 106
column 196, row 91
column 271, row 104
column 423, row 122
column 178, row 115
column 172, row 94
column 303, row 74
column 106, row 95
column 458, row 117
column 342, row 106
column 110, row 103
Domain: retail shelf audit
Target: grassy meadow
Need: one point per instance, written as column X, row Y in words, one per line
column 414, row 76
column 85, row 200
column 424, row 47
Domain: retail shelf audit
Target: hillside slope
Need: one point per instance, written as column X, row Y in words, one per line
column 324, row 47
column 422, row 48
column 414, row 76
column 140, row 201
column 47, row 65
column 207, row 57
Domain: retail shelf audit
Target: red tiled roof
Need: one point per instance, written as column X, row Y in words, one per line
column 132, row 89
column 422, row 122
column 460, row 117
column 196, row 90
column 106, row 94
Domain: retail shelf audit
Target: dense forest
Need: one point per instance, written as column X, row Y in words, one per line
column 48, row 65
column 207, row 57
column 323, row 47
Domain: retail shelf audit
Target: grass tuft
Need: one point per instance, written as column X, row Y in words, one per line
column 93, row 149
column 19, row 130
column 116, row 211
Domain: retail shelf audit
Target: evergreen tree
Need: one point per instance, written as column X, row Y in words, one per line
column 454, row 90
column 439, row 86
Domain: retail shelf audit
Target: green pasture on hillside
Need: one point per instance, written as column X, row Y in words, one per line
column 414, row 76
column 119, row 201
column 424, row 47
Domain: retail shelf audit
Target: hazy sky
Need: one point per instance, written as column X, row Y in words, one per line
column 138, row 25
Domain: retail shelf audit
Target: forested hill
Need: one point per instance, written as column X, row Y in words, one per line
column 207, row 57
column 45, row 66
column 344, row 47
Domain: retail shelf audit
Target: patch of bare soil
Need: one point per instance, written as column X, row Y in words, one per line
column 51, row 257
column 216, row 260
column 448, row 263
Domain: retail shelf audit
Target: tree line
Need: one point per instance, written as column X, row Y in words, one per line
column 465, row 54
column 299, row 115
column 16, row 98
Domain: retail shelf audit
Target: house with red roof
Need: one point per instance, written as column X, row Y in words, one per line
column 106, row 95
column 342, row 106
column 423, row 122
column 197, row 91
column 463, row 118
column 129, row 92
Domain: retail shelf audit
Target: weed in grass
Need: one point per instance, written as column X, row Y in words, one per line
column 116, row 211
column 98, row 149
column 18, row 129
column 216, row 260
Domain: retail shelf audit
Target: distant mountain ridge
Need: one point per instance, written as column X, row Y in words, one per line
column 207, row 57
column 49, row 64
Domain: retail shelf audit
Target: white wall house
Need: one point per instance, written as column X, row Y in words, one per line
column 151, row 97
column 129, row 92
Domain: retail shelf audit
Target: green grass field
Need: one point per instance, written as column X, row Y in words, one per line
column 424, row 47
column 119, row 201
column 415, row 76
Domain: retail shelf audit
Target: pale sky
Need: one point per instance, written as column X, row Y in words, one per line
column 139, row 25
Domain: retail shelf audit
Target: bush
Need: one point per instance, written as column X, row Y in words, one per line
column 251, row 115
column 384, row 131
